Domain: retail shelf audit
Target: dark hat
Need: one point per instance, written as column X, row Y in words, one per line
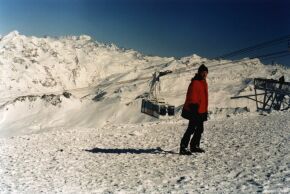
column 202, row 68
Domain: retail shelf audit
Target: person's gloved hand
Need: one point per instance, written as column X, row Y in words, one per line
column 194, row 108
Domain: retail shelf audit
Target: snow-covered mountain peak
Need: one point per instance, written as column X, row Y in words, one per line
column 192, row 59
column 13, row 37
column 12, row 34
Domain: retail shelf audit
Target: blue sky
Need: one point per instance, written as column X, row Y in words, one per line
column 177, row 28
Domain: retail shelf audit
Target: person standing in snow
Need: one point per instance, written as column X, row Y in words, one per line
column 195, row 110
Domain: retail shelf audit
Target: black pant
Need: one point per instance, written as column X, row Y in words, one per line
column 197, row 129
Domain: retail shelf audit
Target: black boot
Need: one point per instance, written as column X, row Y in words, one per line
column 184, row 151
column 196, row 149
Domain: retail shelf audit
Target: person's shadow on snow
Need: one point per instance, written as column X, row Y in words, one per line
column 157, row 150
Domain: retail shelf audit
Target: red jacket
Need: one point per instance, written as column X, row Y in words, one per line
column 197, row 93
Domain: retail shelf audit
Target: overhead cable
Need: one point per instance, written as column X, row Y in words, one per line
column 256, row 47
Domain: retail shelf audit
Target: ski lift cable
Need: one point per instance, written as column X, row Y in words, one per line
column 272, row 54
column 57, row 92
column 276, row 57
column 258, row 46
column 250, row 50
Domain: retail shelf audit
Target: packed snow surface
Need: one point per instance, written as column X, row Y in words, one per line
column 70, row 122
column 244, row 154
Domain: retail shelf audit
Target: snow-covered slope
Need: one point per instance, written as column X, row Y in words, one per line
column 244, row 154
column 106, row 83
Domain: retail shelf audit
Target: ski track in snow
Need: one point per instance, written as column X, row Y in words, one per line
column 248, row 153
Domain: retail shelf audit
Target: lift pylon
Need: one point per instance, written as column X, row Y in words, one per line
column 276, row 94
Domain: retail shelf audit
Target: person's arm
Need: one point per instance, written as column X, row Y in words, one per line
column 194, row 97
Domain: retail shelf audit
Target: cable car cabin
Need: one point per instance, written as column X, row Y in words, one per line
column 157, row 108
column 153, row 105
